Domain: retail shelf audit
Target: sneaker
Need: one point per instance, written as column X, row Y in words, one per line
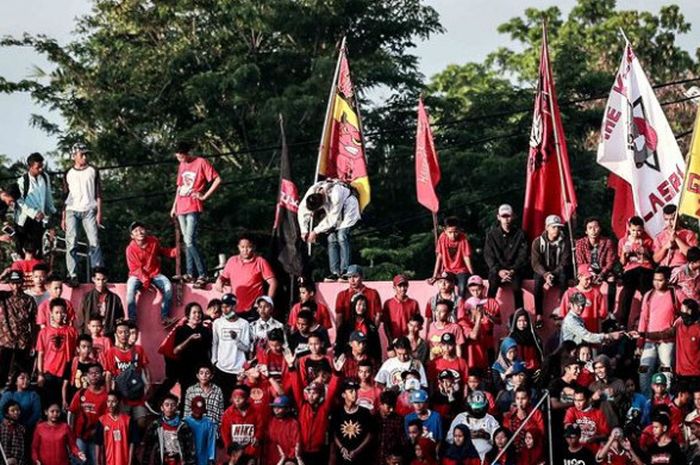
column 73, row 282
column 344, row 278
column 331, row 278
column 200, row 283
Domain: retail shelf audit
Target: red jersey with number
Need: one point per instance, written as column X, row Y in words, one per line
column 115, row 438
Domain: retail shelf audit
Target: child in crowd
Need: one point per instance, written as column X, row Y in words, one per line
column 453, row 254
column 399, row 309
column 12, row 434
column 77, row 378
column 115, row 434
column 204, row 431
column 168, row 439
column 55, row 289
column 100, row 343
column 53, row 442
column 307, row 293
column 88, row 404
column 635, row 253
column 37, row 290
column 207, row 390
column 55, row 346
column 282, row 435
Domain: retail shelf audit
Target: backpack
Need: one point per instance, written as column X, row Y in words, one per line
column 130, row 382
column 25, row 183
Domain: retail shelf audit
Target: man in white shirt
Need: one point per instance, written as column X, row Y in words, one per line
column 331, row 207
column 82, row 188
column 389, row 374
column 34, row 205
column 260, row 328
column 481, row 424
column 231, row 339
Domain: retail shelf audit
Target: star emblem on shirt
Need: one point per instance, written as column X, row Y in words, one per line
column 350, row 429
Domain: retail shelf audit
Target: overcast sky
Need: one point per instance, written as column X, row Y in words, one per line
column 471, row 35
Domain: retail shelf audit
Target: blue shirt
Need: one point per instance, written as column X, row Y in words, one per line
column 432, row 426
column 29, row 404
column 204, row 432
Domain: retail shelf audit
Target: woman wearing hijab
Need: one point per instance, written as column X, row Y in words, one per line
column 503, row 366
column 462, row 450
column 529, row 344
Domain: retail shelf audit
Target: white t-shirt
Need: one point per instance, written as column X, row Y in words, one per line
column 488, row 424
column 390, row 372
column 227, row 352
column 83, row 187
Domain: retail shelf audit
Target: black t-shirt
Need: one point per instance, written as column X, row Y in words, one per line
column 352, row 429
column 583, row 456
column 564, row 392
column 669, row 454
column 195, row 351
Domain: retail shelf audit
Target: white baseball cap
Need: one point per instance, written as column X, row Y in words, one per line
column 505, row 210
column 553, row 220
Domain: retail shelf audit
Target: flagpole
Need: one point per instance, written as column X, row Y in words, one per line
column 557, row 146
column 284, row 141
column 435, row 229
column 331, row 100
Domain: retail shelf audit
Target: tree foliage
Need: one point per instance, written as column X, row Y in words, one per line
column 141, row 75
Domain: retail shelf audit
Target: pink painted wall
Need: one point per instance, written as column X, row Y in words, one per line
column 152, row 333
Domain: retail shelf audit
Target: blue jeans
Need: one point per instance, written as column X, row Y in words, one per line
column 89, row 221
column 88, row 449
column 188, row 226
column 339, row 251
column 162, row 283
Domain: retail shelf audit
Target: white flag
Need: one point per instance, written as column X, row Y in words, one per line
column 637, row 144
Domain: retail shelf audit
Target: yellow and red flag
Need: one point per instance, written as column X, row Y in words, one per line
column 690, row 194
column 342, row 151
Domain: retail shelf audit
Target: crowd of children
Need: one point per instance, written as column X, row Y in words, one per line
column 260, row 385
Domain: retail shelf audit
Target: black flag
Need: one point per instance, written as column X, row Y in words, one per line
column 287, row 237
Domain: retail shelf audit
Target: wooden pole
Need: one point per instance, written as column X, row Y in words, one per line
column 435, row 229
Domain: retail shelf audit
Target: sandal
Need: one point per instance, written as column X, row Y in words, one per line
column 200, row 283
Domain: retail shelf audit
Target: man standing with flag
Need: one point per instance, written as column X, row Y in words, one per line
column 342, row 185
column 550, row 188
column 638, row 146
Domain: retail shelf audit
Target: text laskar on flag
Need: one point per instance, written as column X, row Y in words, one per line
column 549, row 186
column 427, row 166
column 637, row 144
column 342, row 151
column 690, row 197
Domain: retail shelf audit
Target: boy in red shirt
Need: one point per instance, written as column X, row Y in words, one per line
column 490, row 312
column 453, row 254
column 55, row 347
column 397, row 310
column 193, row 174
column 122, row 356
column 282, row 436
column 100, row 343
column 595, row 310
column 27, row 264
column 447, row 360
column 592, row 421
column 307, row 293
column 115, row 434
column 87, row 406
column 55, row 288
column 53, row 440
column 635, row 252
column 76, row 377
column 143, row 259
column 246, row 273
column 672, row 243
column 242, row 424
column 441, row 326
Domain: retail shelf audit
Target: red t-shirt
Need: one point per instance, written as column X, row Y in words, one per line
column 246, row 279
column 435, row 333
column 453, row 253
column 282, row 432
column 674, row 257
column 687, row 349
column 51, row 443
column 396, row 314
column 323, row 315
column 369, row 398
column 58, row 346
column 117, row 360
column 592, row 422
column 476, row 349
column 100, row 346
column 192, row 176
column 115, row 439
column 641, row 252
column 43, row 313
column 593, row 313
column 242, row 428
column 492, row 317
column 87, row 406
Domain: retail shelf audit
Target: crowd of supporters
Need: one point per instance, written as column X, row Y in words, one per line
column 312, row 385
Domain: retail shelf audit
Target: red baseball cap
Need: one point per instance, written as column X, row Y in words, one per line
column 584, row 270
column 400, row 279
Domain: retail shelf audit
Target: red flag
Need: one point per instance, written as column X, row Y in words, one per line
column 623, row 205
column 550, row 188
column 427, row 166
